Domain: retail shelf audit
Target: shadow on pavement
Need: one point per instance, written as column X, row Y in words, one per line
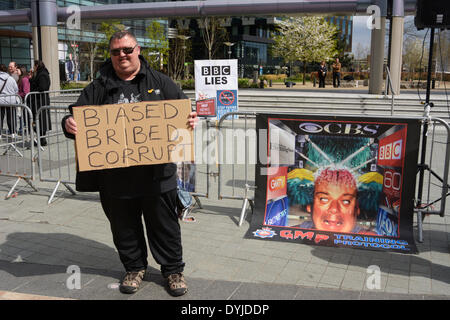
column 390, row 262
column 50, row 253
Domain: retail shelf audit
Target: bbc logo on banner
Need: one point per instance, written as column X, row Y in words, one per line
column 391, row 151
column 216, row 70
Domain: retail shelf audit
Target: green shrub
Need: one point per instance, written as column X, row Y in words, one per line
column 246, row 83
column 73, row 85
column 188, row 84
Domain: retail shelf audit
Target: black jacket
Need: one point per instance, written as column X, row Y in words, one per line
column 322, row 71
column 40, row 82
column 164, row 175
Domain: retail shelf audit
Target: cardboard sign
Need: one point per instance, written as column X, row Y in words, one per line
column 124, row 135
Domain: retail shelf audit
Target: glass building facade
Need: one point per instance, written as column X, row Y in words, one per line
column 15, row 41
column 251, row 38
column 345, row 26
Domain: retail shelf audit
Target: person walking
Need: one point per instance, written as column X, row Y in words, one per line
column 13, row 71
column 8, row 88
column 127, row 194
column 336, row 73
column 24, row 89
column 40, row 82
column 24, row 82
column 322, row 73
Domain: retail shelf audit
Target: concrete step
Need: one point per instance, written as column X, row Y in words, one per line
column 288, row 101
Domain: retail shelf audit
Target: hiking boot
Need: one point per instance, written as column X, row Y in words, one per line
column 177, row 284
column 131, row 281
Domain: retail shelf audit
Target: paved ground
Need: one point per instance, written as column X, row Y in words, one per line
column 39, row 243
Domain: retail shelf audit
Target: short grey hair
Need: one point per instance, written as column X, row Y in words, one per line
column 120, row 35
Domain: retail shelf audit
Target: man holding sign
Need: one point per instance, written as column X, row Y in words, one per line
column 127, row 193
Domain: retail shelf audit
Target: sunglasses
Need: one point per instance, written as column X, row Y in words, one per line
column 126, row 50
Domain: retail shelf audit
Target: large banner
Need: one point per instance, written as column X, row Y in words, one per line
column 133, row 134
column 216, row 82
column 336, row 181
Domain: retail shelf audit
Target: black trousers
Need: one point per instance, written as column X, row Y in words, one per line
column 336, row 79
column 321, row 82
column 162, row 228
column 11, row 120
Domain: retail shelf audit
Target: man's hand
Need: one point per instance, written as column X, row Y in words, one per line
column 193, row 119
column 71, row 126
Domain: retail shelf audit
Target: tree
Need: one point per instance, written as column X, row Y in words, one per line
column 157, row 51
column 108, row 29
column 442, row 52
column 213, row 34
column 414, row 56
column 361, row 54
column 179, row 52
column 345, row 59
column 92, row 48
column 306, row 39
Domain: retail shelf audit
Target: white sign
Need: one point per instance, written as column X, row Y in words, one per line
column 217, row 79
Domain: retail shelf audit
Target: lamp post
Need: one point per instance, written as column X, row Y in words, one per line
column 171, row 34
column 184, row 38
column 229, row 45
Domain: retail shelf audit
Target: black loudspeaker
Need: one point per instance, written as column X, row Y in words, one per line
column 432, row 14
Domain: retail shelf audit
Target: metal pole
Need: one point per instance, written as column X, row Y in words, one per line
column 428, row 106
column 430, row 64
column 389, row 16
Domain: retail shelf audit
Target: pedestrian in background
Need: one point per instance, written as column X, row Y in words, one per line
column 13, row 71
column 8, row 88
column 24, row 82
column 40, row 82
column 24, row 89
column 336, row 73
column 322, row 73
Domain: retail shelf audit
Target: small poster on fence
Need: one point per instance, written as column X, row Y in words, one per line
column 186, row 176
column 218, row 80
column 132, row 134
column 337, row 181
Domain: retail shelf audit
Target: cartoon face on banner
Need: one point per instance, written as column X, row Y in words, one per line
column 345, row 186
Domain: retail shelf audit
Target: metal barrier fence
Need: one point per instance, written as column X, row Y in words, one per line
column 238, row 138
column 232, row 139
column 435, row 187
column 16, row 143
column 57, row 161
column 52, row 98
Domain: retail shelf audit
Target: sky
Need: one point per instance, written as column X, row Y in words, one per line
column 361, row 33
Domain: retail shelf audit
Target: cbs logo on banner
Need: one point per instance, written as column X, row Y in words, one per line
column 391, row 151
